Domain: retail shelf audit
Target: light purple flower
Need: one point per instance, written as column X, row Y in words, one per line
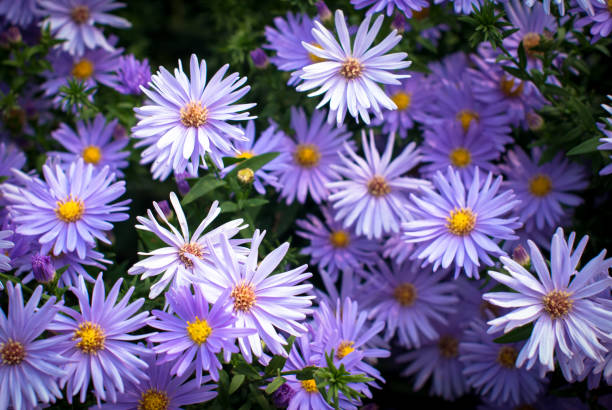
column 601, row 18
column 379, row 6
column 10, row 157
column 5, row 245
column 606, row 142
column 19, row 12
column 464, row 6
column 132, row 74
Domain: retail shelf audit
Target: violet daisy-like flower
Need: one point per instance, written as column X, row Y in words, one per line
column 349, row 75
column 5, row 245
column 606, row 142
column 132, row 74
column 543, row 189
column 75, row 22
column 490, row 368
column 313, row 151
column 10, row 157
column 561, row 302
column 93, row 141
column 191, row 338
column 30, row 367
column 161, row 390
column 70, row 209
column 371, row 197
column 600, row 18
column 397, row 249
column 173, row 262
column 461, row 226
column 261, row 301
column 333, row 247
column 188, row 118
column 100, row 346
column 387, row 6
column 19, row 12
column 464, row 6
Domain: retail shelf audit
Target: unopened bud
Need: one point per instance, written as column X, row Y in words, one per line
column 521, row 256
column 282, row 396
column 323, row 11
column 246, row 176
column 399, row 22
column 182, row 184
column 165, row 208
column 119, row 132
column 534, row 121
column 12, row 35
column 259, row 57
column 43, row 269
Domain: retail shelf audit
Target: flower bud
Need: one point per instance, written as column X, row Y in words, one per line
column 42, row 267
column 165, row 208
column 260, row 58
column 534, row 121
column 521, row 256
column 323, row 11
column 399, row 22
column 282, row 396
column 182, row 184
column 246, row 176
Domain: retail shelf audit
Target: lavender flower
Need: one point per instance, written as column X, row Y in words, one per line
column 606, row 142
column 4, row 246
column 10, row 157
column 378, row 6
column 132, row 74
column 19, row 12
column 601, row 18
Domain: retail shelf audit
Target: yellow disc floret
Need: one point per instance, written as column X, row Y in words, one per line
column 460, row 157
column 310, row 386
column 198, row 331
column 70, row 210
column 12, row 352
column 405, row 294
column 351, row 69
column 307, row 155
column 193, row 114
column 402, row 100
column 557, row 303
column 461, row 221
column 92, row 154
column 244, row 297
column 90, row 337
column 466, row 117
column 340, row 239
column 154, row 399
column 83, row 69
column 345, row 348
column 540, row 185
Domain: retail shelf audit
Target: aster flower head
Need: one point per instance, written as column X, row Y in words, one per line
column 75, row 22
column 93, row 142
column 4, row 246
column 397, row 249
column 606, row 142
column 600, row 17
column 132, row 74
column 261, row 301
column 19, row 12
column 371, row 198
column 387, row 6
column 410, row 300
column 98, row 345
column 70, row 209
column 544, row 190
column 313, row 151
column 186, row 118
column 461, row 226
column 561, row 302
column 29, row 366
column 175, row 261
column 191, row 338
column 349, row 74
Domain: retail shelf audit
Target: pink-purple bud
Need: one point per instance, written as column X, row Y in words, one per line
column 165, row 208
column 534, row 121
column 119, row 132
column 521, row 256
column 323, row 11
column 260, row 58
column 181, row 183
column 43, row 269
column 399, row 22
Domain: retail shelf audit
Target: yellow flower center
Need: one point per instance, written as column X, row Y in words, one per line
column 193, row 114
column 378, row 186
column 70, row 210
column 192, row 248
column 244, row 297
column 154, row 399
column 344, row 349
column 83, row 69
column 307, row 155
column 245, row 175
column 12, row 352
column 310, row 386
column 351, row 69
column 91, row 337
column 531, row 40
column 80, row 14
column 402, row 100
column 245, row 155
column 198, row 331
column 508, row 87
column 92, row 154
column 449, row 346
column 460, row 157
column 466, row 117
column 405, row 294
column 314, row 58
column 461, row 221
column 507, row 356
column 340, row 239
column 557, row 303
column 540, row 185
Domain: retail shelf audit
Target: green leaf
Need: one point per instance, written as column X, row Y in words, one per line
column 228, row 206
column 585, row 147
column 254, row 163
column 237, row 381
column 275, row 384
column 277, row 363
column 227, row 161
column 516, row 72
column 306, row 373
column 202, row 187
column 516, row 335
column 242, row 367
column 253, row 202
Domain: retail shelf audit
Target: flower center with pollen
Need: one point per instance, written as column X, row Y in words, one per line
column 80, row 14
column 557, row 303
column 244, row 297
column 466, row 117
column 531, row 40
column 194, row 114
column 351, row 68
column 310, row 386
column 508, row 87
column 340, row 239
column 70, row 210
column 83, row 69
column 460, row 157
column 377, row 186
column 540, row 185
column 91, row 337
column 191, row 248
column 307, row 155
column 245, row 155
column 507, row 356
column 12, row 352
column 402, row 100
column 154, row 399
column 315, row 58
column 405, row 294
column 344, row 349
column 449, row 346
column 461, row 221
column 198, row 330
column 92, row 154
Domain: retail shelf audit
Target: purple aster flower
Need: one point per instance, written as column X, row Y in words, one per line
column 452, row 69
column 397, row 249
column 271, row 140
column 30, row 366
column 69, row 210
column 5, row 245
column 173, row 261
column 371, row 198
column 286, row 40
column 490, row 368
column 460, row 226
column 410, row 300
column 19, row 12
column 543, row 189
column 132, row 74
column 74, row 21
column 313, row 152
column 261, row 301
column 446, row 144
column 100, row 345
column 192, row 337
column 333, row 247
column 412, row 97
column 606, row 142
column 187, row 118
column 529, row 231
column 348, row 76
column 601, row 18
column 560, row 302
column 93, row 142
column 378, row 6
column 464, row 6
column 10, row 157
column 351, row 286
column 160, row 390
